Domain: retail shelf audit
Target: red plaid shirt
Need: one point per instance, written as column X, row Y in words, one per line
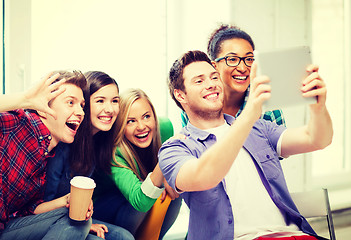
column 24, row 141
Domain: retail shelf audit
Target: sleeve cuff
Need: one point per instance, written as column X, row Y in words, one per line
column 148, row 188
column 279, row 144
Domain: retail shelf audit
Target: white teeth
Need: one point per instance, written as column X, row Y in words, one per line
column 73, row 125
column 211, row 96
column 142, row 135
column 105, row 118
column 73, row 122
column 240, row 77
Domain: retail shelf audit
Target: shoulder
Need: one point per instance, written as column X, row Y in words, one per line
column 12, row 118
column 14, row 121
column 264, row 129
column 190, row 144
column 267, row 126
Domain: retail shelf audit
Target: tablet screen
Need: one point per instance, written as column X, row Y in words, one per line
column 286, row 69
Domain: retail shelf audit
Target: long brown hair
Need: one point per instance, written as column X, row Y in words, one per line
column 90, row 151
column 127, row 149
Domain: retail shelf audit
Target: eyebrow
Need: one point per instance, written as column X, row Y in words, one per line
column 105, row 97
column 232, row 53
column 202, row 75
column 147, row 112
column 75, row 98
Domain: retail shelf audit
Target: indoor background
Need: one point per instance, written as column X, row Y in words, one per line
column 136, row 42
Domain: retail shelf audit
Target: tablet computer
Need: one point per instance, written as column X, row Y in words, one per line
column 286, row 69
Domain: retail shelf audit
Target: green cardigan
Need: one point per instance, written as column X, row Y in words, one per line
column 125, row 180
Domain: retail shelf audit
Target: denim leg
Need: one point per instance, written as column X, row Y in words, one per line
column 171, row 216
column 115, row 209
column 114, row 232
column 45, row 226
column 66, row 229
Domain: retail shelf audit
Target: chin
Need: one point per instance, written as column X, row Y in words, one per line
column 143, row 145
column 67, row 140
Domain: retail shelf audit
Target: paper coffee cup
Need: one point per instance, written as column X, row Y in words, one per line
column 81, row 192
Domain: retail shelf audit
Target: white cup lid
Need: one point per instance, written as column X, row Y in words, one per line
column 83, row 182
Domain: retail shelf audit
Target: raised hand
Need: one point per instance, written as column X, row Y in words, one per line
column 260, row 91
column 314, row 86
column 41, row 94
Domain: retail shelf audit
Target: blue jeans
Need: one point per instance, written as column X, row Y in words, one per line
column 114, row 232
column 115, row 209
column 50, row 225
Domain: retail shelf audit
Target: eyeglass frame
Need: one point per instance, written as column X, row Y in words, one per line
column 240, row 59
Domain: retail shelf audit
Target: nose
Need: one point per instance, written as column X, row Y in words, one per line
column 79, row 110
column 141, row 125
column 108, row 108
column 210, row 83
column 241, row 67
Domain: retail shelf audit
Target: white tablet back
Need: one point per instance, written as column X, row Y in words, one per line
column 286, row 69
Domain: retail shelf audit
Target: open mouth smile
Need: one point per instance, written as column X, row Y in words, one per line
column 211, row 96
column 73, row 125
column 241, row 78
column 142, row 136
column 105, row 118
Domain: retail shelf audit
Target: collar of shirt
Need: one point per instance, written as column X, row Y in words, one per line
column 203, row 134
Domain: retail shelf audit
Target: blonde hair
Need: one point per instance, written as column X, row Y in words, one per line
column 127, row 98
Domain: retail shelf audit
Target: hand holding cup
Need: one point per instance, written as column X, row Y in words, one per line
column 80, row 198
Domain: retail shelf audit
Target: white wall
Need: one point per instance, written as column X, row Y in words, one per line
column 17, row 45
column 279, row 23
column 137, row 41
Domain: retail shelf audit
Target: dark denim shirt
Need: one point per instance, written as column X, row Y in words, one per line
column 58, row 174
column 211, row 215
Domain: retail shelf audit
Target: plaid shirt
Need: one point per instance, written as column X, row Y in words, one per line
column 273, row 116
column 24, row 141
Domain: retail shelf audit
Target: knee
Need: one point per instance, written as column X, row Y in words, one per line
column 76, row 230
column 121, row 233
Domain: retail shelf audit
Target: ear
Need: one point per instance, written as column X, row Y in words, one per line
column 180, row 96
column 214, row 64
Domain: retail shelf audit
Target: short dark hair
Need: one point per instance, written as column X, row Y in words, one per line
column 222, row 33
column 176, row 79
column 74, row 77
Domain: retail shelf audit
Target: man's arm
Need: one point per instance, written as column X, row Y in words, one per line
column 318, row 133
column 207, row 171
column 36, row 98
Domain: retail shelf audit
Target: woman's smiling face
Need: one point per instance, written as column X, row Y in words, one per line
column 237, row 78
column 141, row 124
column 104, row 108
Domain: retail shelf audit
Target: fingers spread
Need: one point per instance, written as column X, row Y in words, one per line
column 54, row 86
column 51, row 78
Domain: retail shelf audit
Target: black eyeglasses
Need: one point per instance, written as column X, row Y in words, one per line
column 233, row 61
